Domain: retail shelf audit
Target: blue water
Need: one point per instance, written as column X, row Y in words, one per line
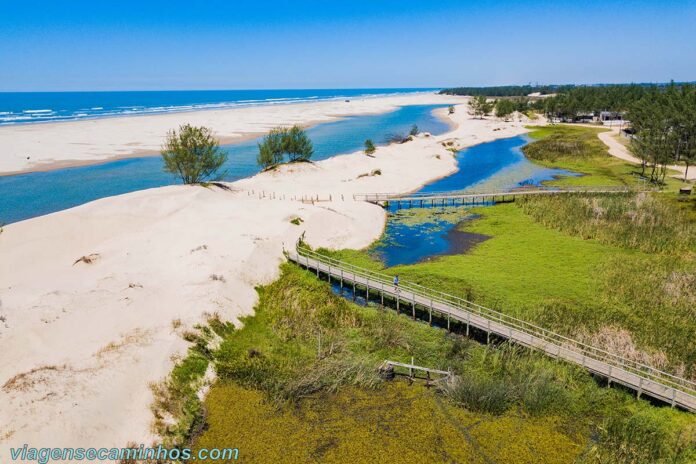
column 29, row 107
column 29, row 195
column 494, row 165
column 499, row 165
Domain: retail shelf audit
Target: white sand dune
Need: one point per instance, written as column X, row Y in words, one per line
column 81, row 341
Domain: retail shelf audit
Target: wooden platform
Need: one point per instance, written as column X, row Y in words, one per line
column 644, row 379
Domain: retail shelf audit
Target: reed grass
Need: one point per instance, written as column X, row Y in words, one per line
column 294, row 371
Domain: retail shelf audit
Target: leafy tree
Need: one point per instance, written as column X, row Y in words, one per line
column 414, row 130
column 480, row 106
column 297, row 144
column 271, row 148
column 193, row 154
column 504, row 108
column 279, row 141
column 450, row 109
column 369, row 147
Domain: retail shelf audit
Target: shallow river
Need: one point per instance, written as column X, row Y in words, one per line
column 29, row 195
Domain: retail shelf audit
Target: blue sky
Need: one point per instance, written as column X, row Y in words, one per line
column 152, row 44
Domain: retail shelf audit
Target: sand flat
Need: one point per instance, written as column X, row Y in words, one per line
column 81, row 340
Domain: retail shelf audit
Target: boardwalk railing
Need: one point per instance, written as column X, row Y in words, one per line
column 643, row 378
column 472, row 193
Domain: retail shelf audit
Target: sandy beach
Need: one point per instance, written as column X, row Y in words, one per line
column 45, row 146
column 82, row 339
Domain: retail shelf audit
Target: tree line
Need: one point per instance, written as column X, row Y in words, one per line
column 505, row 90
column 664, row 125
column 481, row 106
column 662, row 119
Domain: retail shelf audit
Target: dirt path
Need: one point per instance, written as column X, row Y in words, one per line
column 619, row 150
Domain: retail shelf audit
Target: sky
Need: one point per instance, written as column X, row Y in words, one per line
column 209, row 44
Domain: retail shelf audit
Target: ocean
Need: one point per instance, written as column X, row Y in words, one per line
column 36, row 107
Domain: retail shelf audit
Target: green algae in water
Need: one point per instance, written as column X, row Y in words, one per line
column 417, row 234
column 398, row 423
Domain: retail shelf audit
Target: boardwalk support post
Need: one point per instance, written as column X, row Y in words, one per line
column 609, row 377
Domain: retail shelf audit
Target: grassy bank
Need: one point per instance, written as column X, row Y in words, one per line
column 299, row 382
column 578, row 149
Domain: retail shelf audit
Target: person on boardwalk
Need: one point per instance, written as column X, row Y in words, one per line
column 396, row 282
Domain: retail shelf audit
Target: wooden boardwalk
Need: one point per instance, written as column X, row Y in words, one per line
column 644, row 379
column 470, row 197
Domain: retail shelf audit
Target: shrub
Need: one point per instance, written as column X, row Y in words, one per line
column 369, row 147
column 271, row 148
column 279, row 141
column 297, row 144
column 193, row 154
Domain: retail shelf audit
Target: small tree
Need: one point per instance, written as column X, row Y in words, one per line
column 480, row 106
column 297, row 145
column 369, row 147
column 271, row 148
column 281, row 140
column 193, row 154
column 414, row 130
column 486, row 107
column 504, row 108
column 450, row 110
